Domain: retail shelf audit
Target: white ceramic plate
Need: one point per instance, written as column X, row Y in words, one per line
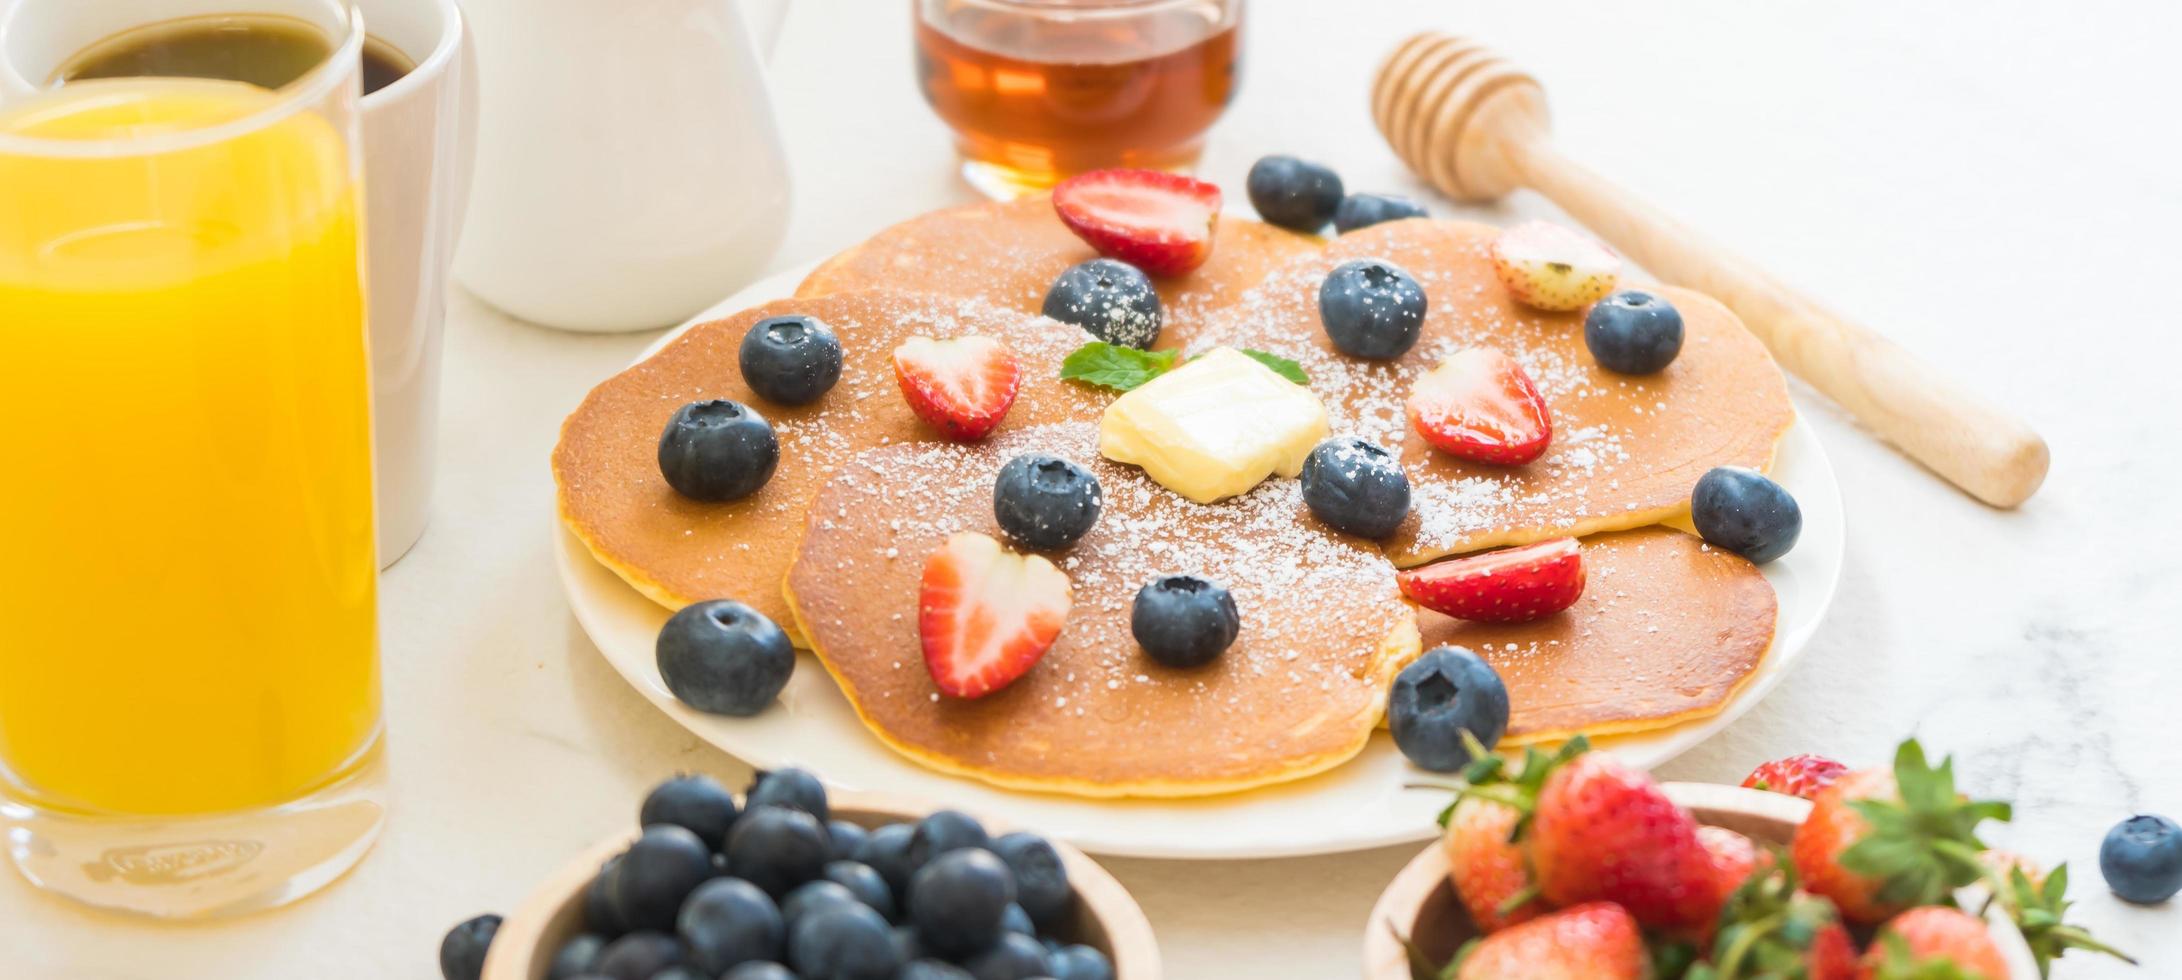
column 1358, row 805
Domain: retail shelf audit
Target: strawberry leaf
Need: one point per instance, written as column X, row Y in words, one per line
column 1111, row 366
column 1921, row 844
column 2040, row 911
column 1280, row 365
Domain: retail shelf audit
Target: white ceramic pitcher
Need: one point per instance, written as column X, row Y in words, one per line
column 630, row 172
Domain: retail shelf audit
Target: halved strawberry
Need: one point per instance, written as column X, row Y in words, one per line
column 1554, row 268
column 1512, row 585
column 963, row 386
column 1479, row 404
column 1157, row 221
column 986, row 615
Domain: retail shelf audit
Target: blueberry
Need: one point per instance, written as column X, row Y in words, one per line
column 679, row 973
column 1746, row 513
column 887, row 852
column 777, row 848
column 1371, row 308
column 462, row 952
column 727, row 921
column 943, row 831
column 759, row 971
column 598, row 901
column 1080, row 962
column 844, row 838
column 811, row 896
column 790, row 359
column 1014, row 957
column 717, row 450
column 1633, row 332
column 1109, row 298
column 694, row 802
column 1292, row 193
column 1446, row 692
column 639, row 955
column 724, row 658
column 928, row 969
column 2142, row 859
column 793, row 788
column 576, row 957
column 1364, row 210
column 958, row 900
column 908, row 944
column 1017, row 920
column 657, row 873
column 1046, row 502
column 843, row 942
column 1356, row 487
column 864, row 883
column 1183, row 620
column 1041, row 880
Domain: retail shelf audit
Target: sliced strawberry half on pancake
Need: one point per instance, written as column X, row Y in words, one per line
column 985, row 615
column 1479, row 404
column 1512, row 585
column 963, row 386
column 1157, row 221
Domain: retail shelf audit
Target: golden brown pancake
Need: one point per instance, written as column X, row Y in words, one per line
column 1667, row 631
column 1323, row 628
column 676, row 550
column 1626, row 450
column 1009, row 253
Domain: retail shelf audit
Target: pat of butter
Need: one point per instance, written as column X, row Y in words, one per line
column 1214, row 427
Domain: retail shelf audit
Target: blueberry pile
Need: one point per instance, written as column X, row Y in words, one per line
column 773, row 889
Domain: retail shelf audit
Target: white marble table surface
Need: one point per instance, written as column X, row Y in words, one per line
column 1994, row 185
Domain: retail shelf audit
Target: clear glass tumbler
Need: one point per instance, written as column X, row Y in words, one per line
column 189, row 670
column 1040, row 90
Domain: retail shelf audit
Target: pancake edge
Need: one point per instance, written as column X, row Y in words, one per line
column 1397, row 649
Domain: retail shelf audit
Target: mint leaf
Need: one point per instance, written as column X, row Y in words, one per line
column 1280, row 365
column 1120, row 368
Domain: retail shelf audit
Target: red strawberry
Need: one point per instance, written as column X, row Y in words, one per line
column 1734, row 858
column 985, row 615
column 963, row 386
column 1157, row 221
column 1594, row 941
column 1554, row 268
column 1770, row 929
column 1797, row 775
column 1511, row 585
column 1486, row 866
column 1605, row 832
column 1479, row 404
column 1915, row 944
column 1878, row 841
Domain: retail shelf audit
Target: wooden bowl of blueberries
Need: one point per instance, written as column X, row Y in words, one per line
column 790, row 881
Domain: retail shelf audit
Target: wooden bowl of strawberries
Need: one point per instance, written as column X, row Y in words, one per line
column 1571, row 864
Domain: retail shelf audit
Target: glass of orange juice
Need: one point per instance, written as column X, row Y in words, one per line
column 189, row 671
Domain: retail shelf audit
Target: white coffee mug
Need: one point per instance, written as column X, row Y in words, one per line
column 419, row 150
column 419, row 136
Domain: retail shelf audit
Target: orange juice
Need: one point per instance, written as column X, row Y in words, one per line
column 187, row 610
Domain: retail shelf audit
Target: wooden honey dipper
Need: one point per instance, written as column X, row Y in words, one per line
column 1475, row 126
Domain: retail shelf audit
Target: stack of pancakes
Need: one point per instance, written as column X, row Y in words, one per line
column 833, row 547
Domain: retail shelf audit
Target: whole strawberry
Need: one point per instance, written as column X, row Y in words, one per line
column 1880, row 841
column 1771, row 929
column 1486, row 862
column 1934, row 941
column 1605, row 832
column 1797, row 775
column 1594, row 941
column 1734, row 858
